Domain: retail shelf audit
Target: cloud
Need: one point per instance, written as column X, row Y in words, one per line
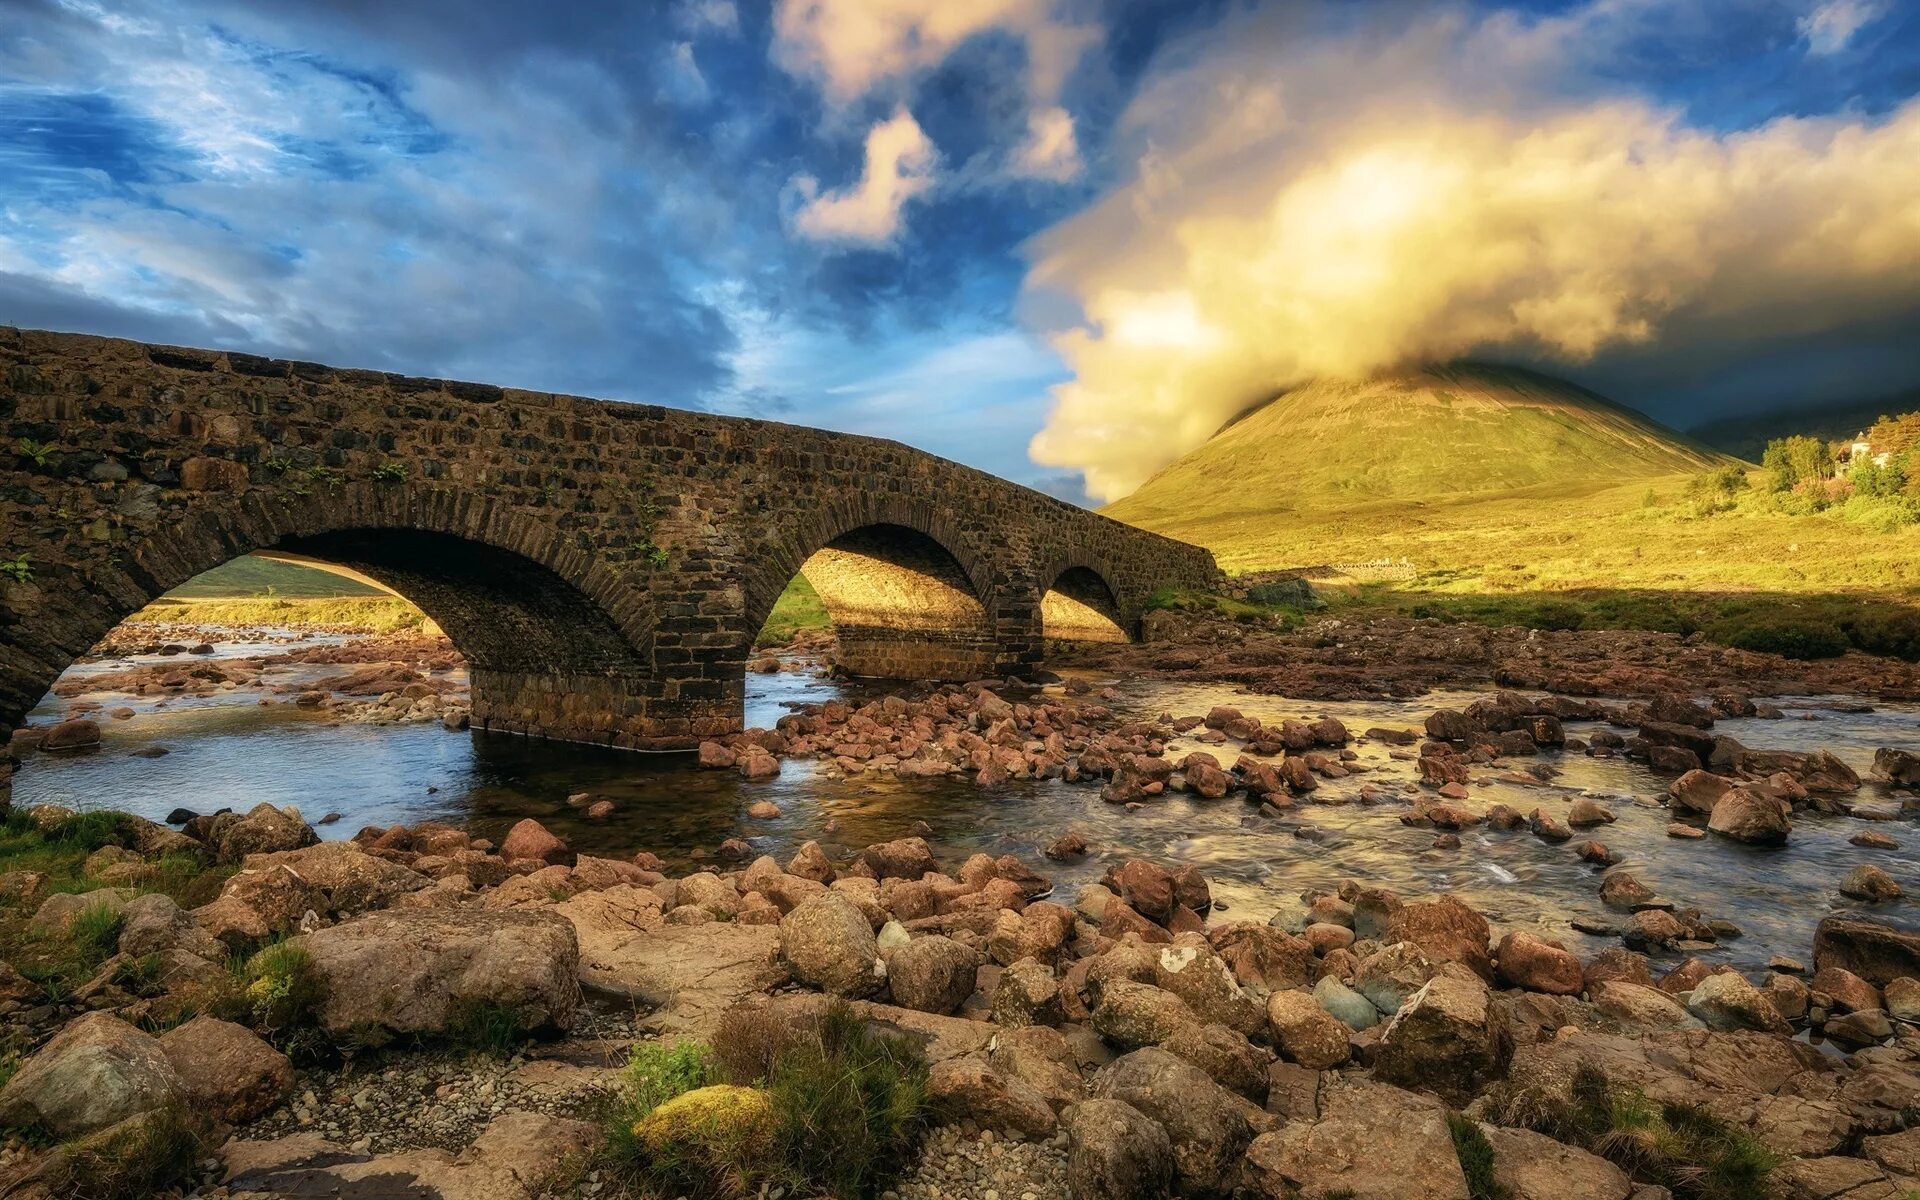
column 1051, row 150
column 707, row 16
column 856, row 47
column 1830, row 27
column 900, row 164
column 1339, row 206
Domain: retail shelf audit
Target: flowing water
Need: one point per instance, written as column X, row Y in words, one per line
column 227, row 750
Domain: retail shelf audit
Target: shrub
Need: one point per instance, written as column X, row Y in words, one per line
column 1475, row 1153
column 95, row 933
column 851, row 1102
column 1789, row 637
column 748, row 1043
column 1792, row 461
column 1896, row 635
column 282, row 994
column 717, row 1140
column 1680, row 1146
column 657, row 1072
column 143, row 1157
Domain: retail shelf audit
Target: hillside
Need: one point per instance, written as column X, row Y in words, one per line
column 1493, row 480
column 1747, row 436
column 250, row 576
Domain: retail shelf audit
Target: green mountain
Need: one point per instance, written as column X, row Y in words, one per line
column 1442, row 435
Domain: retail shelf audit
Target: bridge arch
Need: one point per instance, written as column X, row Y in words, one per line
column 906, row 595
column 1081, row 606
column 556, row 643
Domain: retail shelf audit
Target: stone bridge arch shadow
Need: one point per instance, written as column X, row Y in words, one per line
column 556, row 643
column 1079, row 605
column 908, row 597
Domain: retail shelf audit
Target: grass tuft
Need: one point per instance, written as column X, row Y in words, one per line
column 140, row 1157
column 485, row 1025
column 1475, row 1153
column 281, row 993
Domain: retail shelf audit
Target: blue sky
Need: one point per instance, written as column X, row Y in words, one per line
column 893, row 219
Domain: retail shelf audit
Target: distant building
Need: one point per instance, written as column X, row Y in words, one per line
column 1860, row 451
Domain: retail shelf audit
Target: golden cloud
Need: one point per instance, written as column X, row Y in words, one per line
column 1343, row 209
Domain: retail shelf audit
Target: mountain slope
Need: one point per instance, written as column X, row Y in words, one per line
column 1445, row 433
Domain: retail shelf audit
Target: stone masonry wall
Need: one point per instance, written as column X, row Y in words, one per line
column 604, row 566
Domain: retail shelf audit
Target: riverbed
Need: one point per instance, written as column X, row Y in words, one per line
column 226, row 749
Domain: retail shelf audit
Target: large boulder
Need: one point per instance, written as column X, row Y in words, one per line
column 1114, row 1152
column 902, row 858
column 932, row 974
column 1305, row 1032
column 1371, row 1141
column 413, row 971
column 1131, row 1014
column 1726, row 1001
column 350, row 879
column 1875, row 952
column 262, row 831
column 518, row 1156
column 1532, row 1166
column 530, row 841
column 154, row 924
column 256, row 905
column 829, row 943
column 1748, row 816
column 968, row 1088
column 1446, row 931
column 226, row 1071
column 1447, row 1039
column 1538, row 965
column 1208, row 1126
column 95, row 1072
column 1200, row 977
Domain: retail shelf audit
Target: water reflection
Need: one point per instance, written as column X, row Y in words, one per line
column 226, row 750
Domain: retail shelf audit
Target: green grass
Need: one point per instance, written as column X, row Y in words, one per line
column 1475, row 1153
column 1680, row 1146
column 485, row 1025
column 363, row 614
column 143, row 1157
column 849, row 1105
column 249, row 577
column 280, row 993
column 799, row 609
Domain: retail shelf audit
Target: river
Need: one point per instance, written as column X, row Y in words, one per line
column 227, row 750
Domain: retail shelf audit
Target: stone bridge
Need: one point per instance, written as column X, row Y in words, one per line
column 604, row 567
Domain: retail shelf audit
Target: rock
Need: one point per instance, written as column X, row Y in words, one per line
column 529, row 841
column 830, row 945
column 1538, row 965
column 262, row 831
column 256, row 905
column 1207, row 1126
column 714, row 757
column 56, row 914
column 1264, row 958
column 1654, row 929
column 1638, row 1005
column 97, row 1071
column 1903, row 1001
column 932, row 974
column 1747, row 816
column 1621, row 890
column 1844, row 990
column 689, row 975
column 1066, row 847
column 1371, row 1141
column 1146, row 888
column 1532, row 1166
column 1305, row 1032
column 1114, row 1152
column 1345, row 1005
column 968, row 1088
column 1874, row 952
column 1727, row 1002
column 413, row 970
column 903, row 858
column 1027, row 994
column 1446, row 1038
column 1201, row 978
column 1697, row 792
column 1869, row 883
column 1584, row 813
column 352, row 880
column 810, row 862
column 226, row 1071
column 1445, row 930
column 154, row 924
column 518, row 1156
column 1132, row 1015
column 76, row 734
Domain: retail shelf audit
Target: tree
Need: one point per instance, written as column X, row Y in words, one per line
column 1895, row 435
column 1796, row 460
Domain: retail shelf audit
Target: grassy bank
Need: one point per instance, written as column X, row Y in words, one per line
column 799, row 609
column 369, row 614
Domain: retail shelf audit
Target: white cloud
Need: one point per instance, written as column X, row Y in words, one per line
column 707, row 16
column 900, row 164
column 1830, row 27
column 856, row 47
column 1311, row 208
column 1051, row 151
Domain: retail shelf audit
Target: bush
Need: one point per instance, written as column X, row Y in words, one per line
column 1680, row 1146
column 1896, row 635
column 821, row 1107
column 281, row 993
column 1789, row 637
column 133, row 1160
column 851, row 1102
